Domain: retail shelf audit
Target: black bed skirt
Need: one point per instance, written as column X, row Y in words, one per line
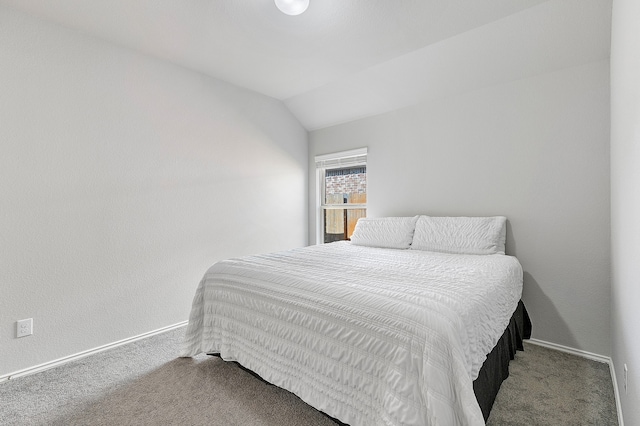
column 496, row 367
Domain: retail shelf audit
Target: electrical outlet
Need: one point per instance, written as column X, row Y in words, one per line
column 626, row 371
column 24, row 327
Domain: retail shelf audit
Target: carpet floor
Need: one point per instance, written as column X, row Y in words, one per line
column 143, row 383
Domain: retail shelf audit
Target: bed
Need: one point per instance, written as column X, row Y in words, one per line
column 402, row 325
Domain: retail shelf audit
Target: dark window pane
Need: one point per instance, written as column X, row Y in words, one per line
column 340, row 223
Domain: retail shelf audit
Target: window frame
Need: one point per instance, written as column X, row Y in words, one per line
column 335, row 160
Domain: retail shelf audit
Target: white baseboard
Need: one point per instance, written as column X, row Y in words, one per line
column 617, row 393
column 591, row 356
column 66, row 359
column 573, row 351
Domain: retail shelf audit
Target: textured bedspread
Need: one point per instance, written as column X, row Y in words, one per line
column 370, row 336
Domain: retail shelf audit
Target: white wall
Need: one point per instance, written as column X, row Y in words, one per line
column 535, row 150
column 122, row 178
column 625, row 202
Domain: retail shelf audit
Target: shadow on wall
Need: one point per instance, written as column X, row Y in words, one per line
column 542, row 311
column 510, row 242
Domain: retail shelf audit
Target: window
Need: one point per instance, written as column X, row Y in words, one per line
column 341, row 194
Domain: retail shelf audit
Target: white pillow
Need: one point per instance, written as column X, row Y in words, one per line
column 461, row 235
column 385, row 232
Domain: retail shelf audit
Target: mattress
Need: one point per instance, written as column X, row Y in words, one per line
column 369, row 336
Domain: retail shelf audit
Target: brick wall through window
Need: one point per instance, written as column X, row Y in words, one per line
column 355, row 183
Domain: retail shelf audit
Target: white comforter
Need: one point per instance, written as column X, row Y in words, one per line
column 370, row 336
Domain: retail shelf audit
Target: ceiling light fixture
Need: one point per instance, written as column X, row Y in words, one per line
column 292, row 7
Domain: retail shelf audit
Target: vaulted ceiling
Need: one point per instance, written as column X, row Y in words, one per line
column 346, row 59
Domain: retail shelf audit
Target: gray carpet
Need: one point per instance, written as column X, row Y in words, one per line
column 548, row 387
column 143, row 383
